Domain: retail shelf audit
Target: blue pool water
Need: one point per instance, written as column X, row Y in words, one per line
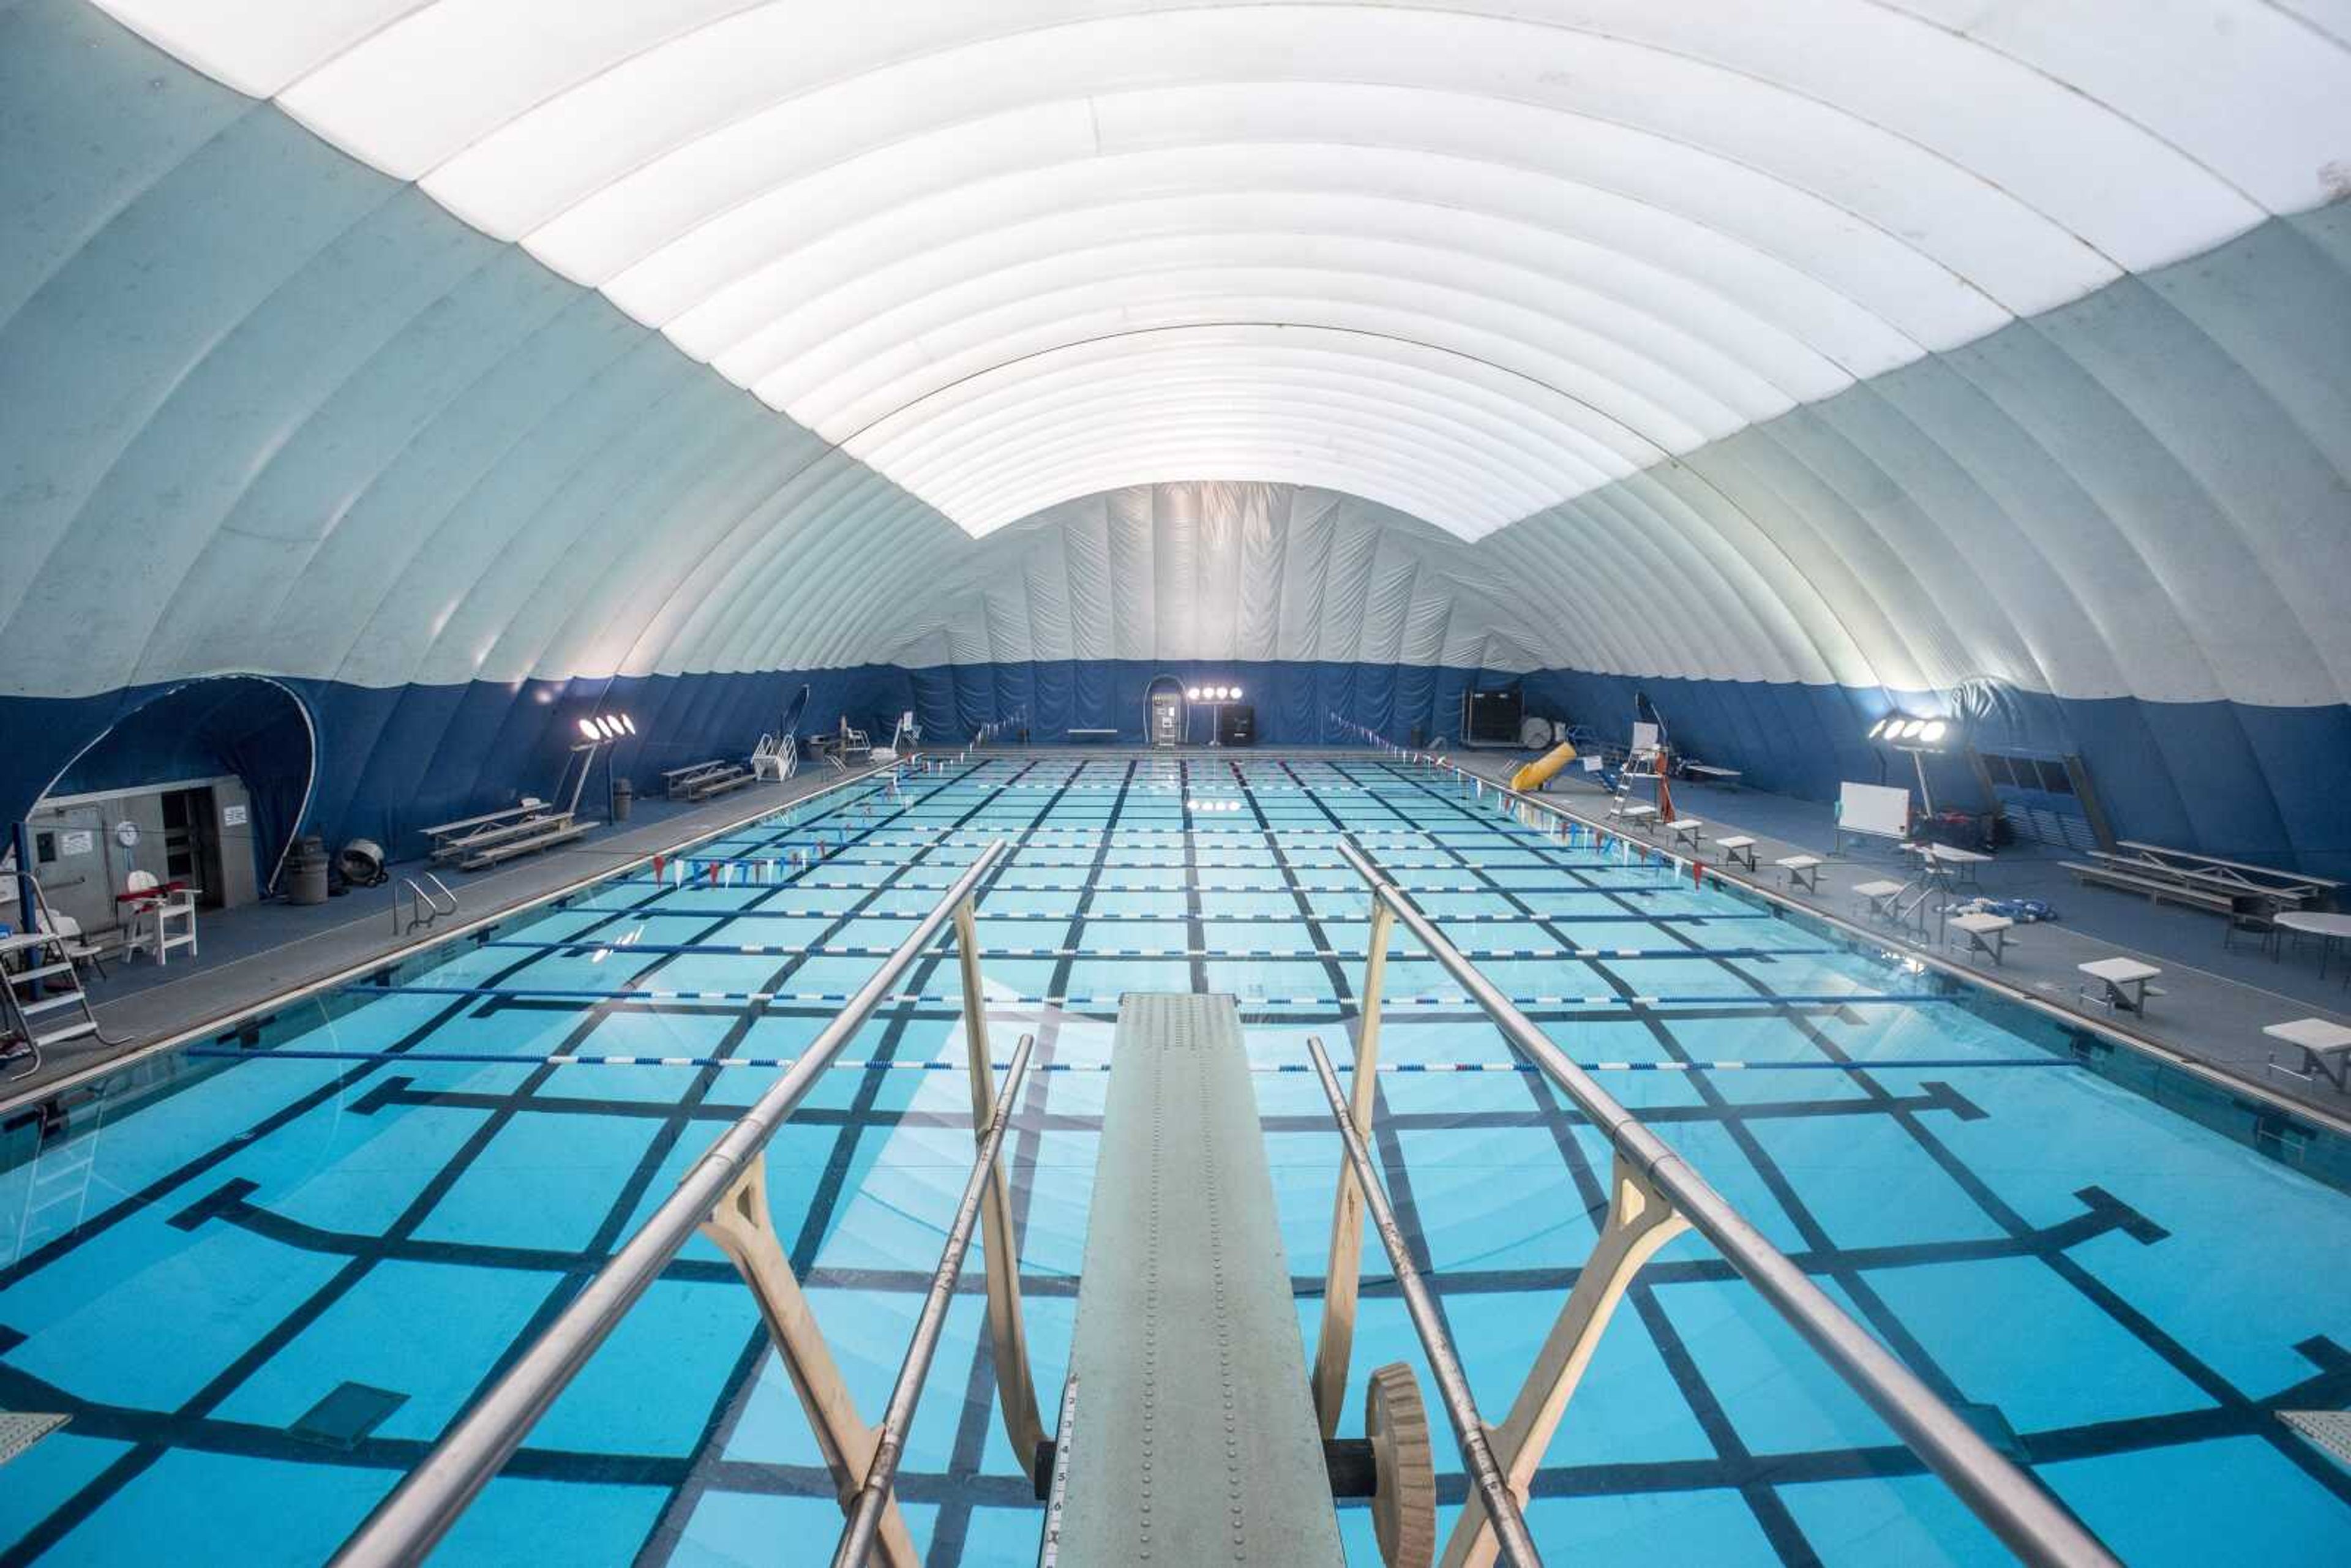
column 396, row 1188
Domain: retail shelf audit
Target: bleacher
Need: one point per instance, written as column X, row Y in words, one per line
column 2208, row 882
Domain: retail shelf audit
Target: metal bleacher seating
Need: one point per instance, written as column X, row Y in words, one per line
column 2208, row 882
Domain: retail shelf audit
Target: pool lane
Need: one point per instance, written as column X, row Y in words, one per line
column 395, row 1196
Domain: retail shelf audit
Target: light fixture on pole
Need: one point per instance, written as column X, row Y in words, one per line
column 1918, row 736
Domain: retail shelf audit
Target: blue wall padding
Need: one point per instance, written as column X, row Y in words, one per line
column 2248, row 783
column 1295, row 703
column 392, row 761
column 2261, row 784
column 254, row 729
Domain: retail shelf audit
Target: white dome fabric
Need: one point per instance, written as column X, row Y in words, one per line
column 1470, row 259
column 1210, row 573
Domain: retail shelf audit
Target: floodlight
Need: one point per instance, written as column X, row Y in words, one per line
column 1935, row 731
column 1194, row 694
column 1236, row 694
column 1909, row 730
column 1879, row 728
column 587, row 729
column 628, row 723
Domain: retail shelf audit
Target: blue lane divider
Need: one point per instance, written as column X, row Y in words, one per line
column 836, row 951
column 991, row 912
column 490, row 1058
column 1440, row 999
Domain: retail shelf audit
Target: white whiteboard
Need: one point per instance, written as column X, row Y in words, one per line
column 1874, row 809
column 1644, row 739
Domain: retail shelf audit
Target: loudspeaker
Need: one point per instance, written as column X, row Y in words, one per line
column 1237, row 725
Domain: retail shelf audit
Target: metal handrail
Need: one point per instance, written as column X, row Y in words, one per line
column 421, row 1510
column 874, row 1496
column 2015, row 1507
column 1517, row 1547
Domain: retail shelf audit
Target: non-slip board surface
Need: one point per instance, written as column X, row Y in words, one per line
column 1192, row 1437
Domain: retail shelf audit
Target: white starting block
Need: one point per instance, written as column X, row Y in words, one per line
column 2325, row 1050
column 2125, row 983
column 1801, row 871
column 1690, row 830
column 1636, row 815
column 1740, row 847
column 1880, row 896
column 1986, row 934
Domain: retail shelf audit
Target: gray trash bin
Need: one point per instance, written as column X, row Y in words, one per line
column 625, row 797
column 306, row 871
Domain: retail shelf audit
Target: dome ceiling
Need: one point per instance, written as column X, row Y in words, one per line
column 1472, row 261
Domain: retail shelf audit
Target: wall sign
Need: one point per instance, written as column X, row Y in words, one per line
column 232, row 816
column 70, row 843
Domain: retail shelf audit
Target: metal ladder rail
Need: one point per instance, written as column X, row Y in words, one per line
column 425, row 908
column 19, row 1017
column 723, row 1197
column 1654, row 1195
column 873, row 1496
column 1517, row 1547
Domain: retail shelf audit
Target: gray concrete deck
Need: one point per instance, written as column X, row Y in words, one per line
column 260, row 954
column 2205, row 1015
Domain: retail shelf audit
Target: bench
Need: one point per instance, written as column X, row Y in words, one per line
column 2206, row 882
column 468, row 835
column 680, row 781
column 711, row 784
column 1093, row 736
column 1708, row 773
column 543, row 834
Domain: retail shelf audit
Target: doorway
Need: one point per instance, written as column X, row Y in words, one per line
column 1164, row 713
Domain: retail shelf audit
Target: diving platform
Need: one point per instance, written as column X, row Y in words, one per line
column 1189, row 1435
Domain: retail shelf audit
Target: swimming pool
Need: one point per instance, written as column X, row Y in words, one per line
column 261, row 1290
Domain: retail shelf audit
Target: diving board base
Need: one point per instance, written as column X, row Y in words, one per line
column 1189, row 1435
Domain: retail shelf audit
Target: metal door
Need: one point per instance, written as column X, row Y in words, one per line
column 1166, row 718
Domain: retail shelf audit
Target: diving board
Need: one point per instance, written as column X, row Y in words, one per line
column 1189, row 1436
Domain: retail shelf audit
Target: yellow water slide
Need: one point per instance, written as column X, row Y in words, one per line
column 1539, row 772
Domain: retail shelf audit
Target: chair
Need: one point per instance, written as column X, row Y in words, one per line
column 2256, row 914
column 70, row 942
column 154, row 907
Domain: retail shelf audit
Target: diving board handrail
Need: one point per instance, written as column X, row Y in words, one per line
column 725, row 1194
column 1518, row 1548
column 1654, row 1195
column 873, row 1495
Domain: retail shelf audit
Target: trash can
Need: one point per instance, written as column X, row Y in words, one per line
column 625, row 797
column 306, row 871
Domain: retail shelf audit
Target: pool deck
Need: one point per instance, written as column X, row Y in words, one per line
column 2214, row 1003
column 257, row 954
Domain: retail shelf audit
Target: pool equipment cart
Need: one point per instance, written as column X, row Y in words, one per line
column 1654, row 1196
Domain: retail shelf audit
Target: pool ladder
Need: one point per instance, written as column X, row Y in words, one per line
column 423, row 908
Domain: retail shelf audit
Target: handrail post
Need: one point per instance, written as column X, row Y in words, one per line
column 1007, row 1330
column 874, row 1504
column 742, row 1229
column 1342, row 1276
column 1640, row 1221
column 2022, row 1513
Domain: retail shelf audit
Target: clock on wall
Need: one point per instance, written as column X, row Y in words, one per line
column 126, row 833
